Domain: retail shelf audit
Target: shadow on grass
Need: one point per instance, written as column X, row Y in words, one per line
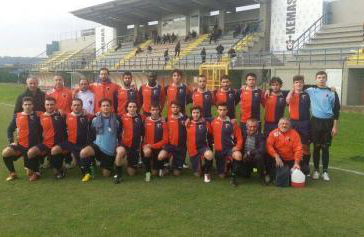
column 357, row 158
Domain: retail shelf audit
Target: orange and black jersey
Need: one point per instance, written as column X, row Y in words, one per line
column 229, row 97
column 250, row 101
column 197, row 135
column 78, row 128
column 155, row 132
column 274, row 106
column 205, row 100
column 177, row 134
column 28, row 128
column 178, row 93
column 226, row 134
column 151, row 95
column 299, row 107
column 54, row 129
column 131, row 131
column 105, row 90
column 126, row 95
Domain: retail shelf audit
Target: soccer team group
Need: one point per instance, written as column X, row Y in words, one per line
column 111, row 126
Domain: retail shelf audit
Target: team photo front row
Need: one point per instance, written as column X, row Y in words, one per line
column 113, row 132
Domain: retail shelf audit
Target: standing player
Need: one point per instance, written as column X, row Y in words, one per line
column 325, row 108
column 61, row 94
column 54, row 133
column 155, row 137
column 130, row 138
column 250, row 101
column 86, row 95
column 227, row 96
column 33, row 92
column 177, row 137
column 151, row 93
column 177, row 91
column 127, row 92
column 198, row 130
column 274, row 103
column 29, row 134
column 299, row 111
column 104, row 129
column 228, row 143
column 78, row 135
column 203, row 98
column 105, row 89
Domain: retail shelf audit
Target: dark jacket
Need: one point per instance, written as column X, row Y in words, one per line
column 259, row 143
column 38, row 100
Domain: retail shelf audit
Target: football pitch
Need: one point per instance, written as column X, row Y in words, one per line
column 185, row 206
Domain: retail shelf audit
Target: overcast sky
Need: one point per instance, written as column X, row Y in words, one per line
column 26, row 26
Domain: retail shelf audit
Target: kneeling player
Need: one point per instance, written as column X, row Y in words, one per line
column 130, row 138
column 177, row 136
column 104, row 128
column 29, row 134
column 197, row 133
column 77, row 130
column 54, row 133
column 155, row 137
column 228, row 143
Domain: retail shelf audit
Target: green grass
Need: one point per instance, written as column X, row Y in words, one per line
column 185, row 206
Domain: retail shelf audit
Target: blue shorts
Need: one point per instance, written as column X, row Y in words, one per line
column 223, row 159
column 197, row 159
column 178, row 154
column 304, row 129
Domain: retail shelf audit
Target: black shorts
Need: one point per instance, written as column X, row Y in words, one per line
column 106, row 161
column 44, row 150
column 304, row 129
column 20, row 148
column 223, row 159
column 321, row 131
column 268, row 128
column 74, row 149
column 178, row 154
column 197, row 159
column 132, row 155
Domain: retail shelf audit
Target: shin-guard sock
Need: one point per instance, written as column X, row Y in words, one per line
column 33, row 164
column 9, row 163
column 85, row 165
column 235, row 167
column 316, row 156
column 118, row 170
column 306, row 164
column 208, row 165
column 325, row 158
column 57, row 162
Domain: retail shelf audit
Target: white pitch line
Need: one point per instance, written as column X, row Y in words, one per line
column 348, row 171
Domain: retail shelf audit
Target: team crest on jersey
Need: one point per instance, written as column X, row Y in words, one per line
column 155, row 92
column 227, row 125
column 181, row 90
column 55, row 117
column 159, row 125
column 281, row 100
column 276, row 134
column 82, row 120
column 90, row 102
column 231, row 95
column 200, row 126
column 207, row 96
column 108, row 88
column 288, row 139
column 64, row 95
column 31, row 117
column 303, row 97
column 136, row 120
column 256, row 94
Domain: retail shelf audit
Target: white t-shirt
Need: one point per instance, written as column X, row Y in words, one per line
column 88, row 99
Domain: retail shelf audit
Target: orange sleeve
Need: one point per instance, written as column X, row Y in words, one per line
column 270, row 146
column 238, row 136
column 91, row 88
column 297, row 147
column 164, row 141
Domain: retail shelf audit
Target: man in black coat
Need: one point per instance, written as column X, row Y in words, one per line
column 34, row 92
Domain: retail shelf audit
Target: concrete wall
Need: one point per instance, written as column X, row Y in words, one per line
column 75, row 44
column 346, row 11
column 355, row 86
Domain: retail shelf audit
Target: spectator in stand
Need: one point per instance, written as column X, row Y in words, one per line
column 149, row 49
column 219, row 52
column 232, row 56
column 177, row 49
column 173, row 37
column 118, row 45
column 188, row 37
column 169, row 38
column 194, row 34
column 158, row 39
column 33, row 92
column 138, row 51
column 237, row 30
column 203, row 55
column 166, row 56
column 164, row 38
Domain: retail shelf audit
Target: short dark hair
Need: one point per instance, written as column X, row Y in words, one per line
column 77, row 99
column 202, row 75
column 276, row 80
column 321, row 73
column 129, row 102
column 221, row 104
column 83, row 79
column 298, row 78
column 175, row 102
column 196, row 108
column 50, row 98
column 179, row 72
column 104, row 69
column 103, row 100
column 251, row 74
column 155, row 105
column 252, row 120
column 225, row 77
column 27, row 99
column 127, row 73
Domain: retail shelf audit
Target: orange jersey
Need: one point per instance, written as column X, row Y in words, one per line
column 274, row 106
column 151, row 95
column 132, row 131
column 124, row 96
column 78, row 128
column 287, row 145
column 104, row 90
column 226, row 134
column 299, row 107
column 177, row 134
column 197, row 133
column 178, row 93
column 155, row 132
column 250, row 101
column 229, row 97
column 205, row 100
column 63, row 98
column 54, row 129
column 29, row 129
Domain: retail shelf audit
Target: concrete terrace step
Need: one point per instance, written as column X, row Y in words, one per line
column 333, row 45
column 339, row 34
column 337, row 39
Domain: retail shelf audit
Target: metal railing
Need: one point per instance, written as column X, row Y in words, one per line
column 310, row 32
